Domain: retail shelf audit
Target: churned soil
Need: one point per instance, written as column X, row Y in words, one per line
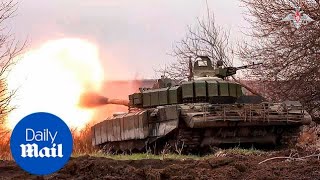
column 234, row 166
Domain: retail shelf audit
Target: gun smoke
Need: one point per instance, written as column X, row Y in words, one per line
column 92, row 100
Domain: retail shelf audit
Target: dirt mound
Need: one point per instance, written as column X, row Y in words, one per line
column 227, row 167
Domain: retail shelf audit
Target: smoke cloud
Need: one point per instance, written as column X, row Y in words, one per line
column 92, row 100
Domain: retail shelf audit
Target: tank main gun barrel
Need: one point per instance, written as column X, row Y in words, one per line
column 118, row 102
column 92, row 100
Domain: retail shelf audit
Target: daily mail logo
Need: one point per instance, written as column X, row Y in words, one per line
column 41, row 143
column 32, row 150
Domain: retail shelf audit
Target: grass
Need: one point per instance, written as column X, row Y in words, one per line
column 5, row 152
column 82, row 141
column 139, row 156
column 243, row 151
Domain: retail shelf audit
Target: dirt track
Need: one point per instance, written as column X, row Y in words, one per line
column 228, row 167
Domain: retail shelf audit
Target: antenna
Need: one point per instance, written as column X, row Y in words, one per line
column 165, row 70
column 190, row 69
column 208, row 13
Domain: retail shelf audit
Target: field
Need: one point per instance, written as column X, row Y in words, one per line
column 303, row 162
column 225, row 164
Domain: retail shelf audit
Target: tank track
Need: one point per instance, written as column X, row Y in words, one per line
column 188, row 141
column 289, row 137
column 181, row 141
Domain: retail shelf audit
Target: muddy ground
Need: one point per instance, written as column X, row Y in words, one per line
column 225, row 166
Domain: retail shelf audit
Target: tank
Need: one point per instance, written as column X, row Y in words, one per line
column 194, row 115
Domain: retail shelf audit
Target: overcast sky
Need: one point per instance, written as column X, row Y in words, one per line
column 133, row 37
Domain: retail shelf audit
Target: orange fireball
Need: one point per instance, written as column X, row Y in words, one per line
column 52, row 78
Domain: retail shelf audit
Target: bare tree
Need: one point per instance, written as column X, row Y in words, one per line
column 291, row 56
column 205, row 38
column 10, row 48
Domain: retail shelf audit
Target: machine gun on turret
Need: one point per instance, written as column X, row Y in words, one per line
column 203, row 67
column 223, row 72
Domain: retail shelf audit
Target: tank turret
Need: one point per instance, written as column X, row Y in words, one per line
column 205, row 83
